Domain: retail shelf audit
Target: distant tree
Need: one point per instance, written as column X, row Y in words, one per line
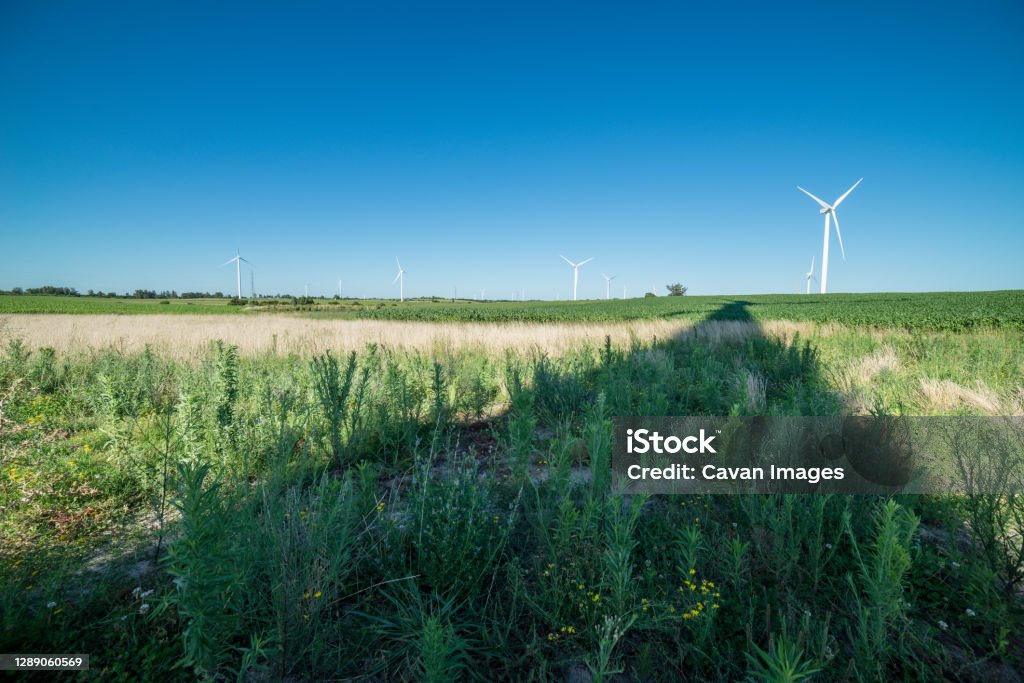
column 650, row 295
column 50, row 290
column 676, row 289
column 17, row 290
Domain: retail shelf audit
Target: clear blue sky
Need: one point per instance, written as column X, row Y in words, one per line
column 141, row 142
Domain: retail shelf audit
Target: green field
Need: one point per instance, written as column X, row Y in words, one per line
column 935, row 311
column 29, row 303
column 447, row 515
column 940, row 311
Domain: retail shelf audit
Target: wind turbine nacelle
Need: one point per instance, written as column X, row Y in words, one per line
column 824, row 210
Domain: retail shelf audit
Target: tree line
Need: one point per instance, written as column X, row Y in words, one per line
column 50, row 290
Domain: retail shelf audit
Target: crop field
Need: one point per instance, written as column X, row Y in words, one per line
column 364, row 508
column 937, row 311
column 941, row 311
column 28, row 303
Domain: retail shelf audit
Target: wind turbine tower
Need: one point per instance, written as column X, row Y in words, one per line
column 810, row 276
column 237, row 260
column 576, row 273
column 830, row 213
column 400, row 279
column 608, row 286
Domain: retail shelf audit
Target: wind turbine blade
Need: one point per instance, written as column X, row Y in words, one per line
column 396, row 277
column 568, row 261
column 398, row 262
column 231, row 260
column 839, row 234
column 838, row 201
column 823, row 204
column 587, row 261
column 812, row 264
column 245, row 260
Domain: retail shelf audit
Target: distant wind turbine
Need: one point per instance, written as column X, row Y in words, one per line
column 623, row 291
column 810, row 276
column 237, row 260
column 576, row 273
column 340, row 294
column 830, row 212
column 608, row 286
column 400, row 279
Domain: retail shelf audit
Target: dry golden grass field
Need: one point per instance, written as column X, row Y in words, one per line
column 183, row 336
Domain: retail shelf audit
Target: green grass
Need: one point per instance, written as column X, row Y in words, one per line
column 917, row 311
column 403, row 516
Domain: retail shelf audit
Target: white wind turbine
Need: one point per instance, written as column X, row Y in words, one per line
column 237, row 260
column 576, row 273
column 830, row 211
column 608, row 286
column 810, row 276
column 400, row 279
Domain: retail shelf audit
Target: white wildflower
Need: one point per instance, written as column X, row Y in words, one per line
column 143, row 608
column 971, row 613
column 943, row 625
column 51, row 605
